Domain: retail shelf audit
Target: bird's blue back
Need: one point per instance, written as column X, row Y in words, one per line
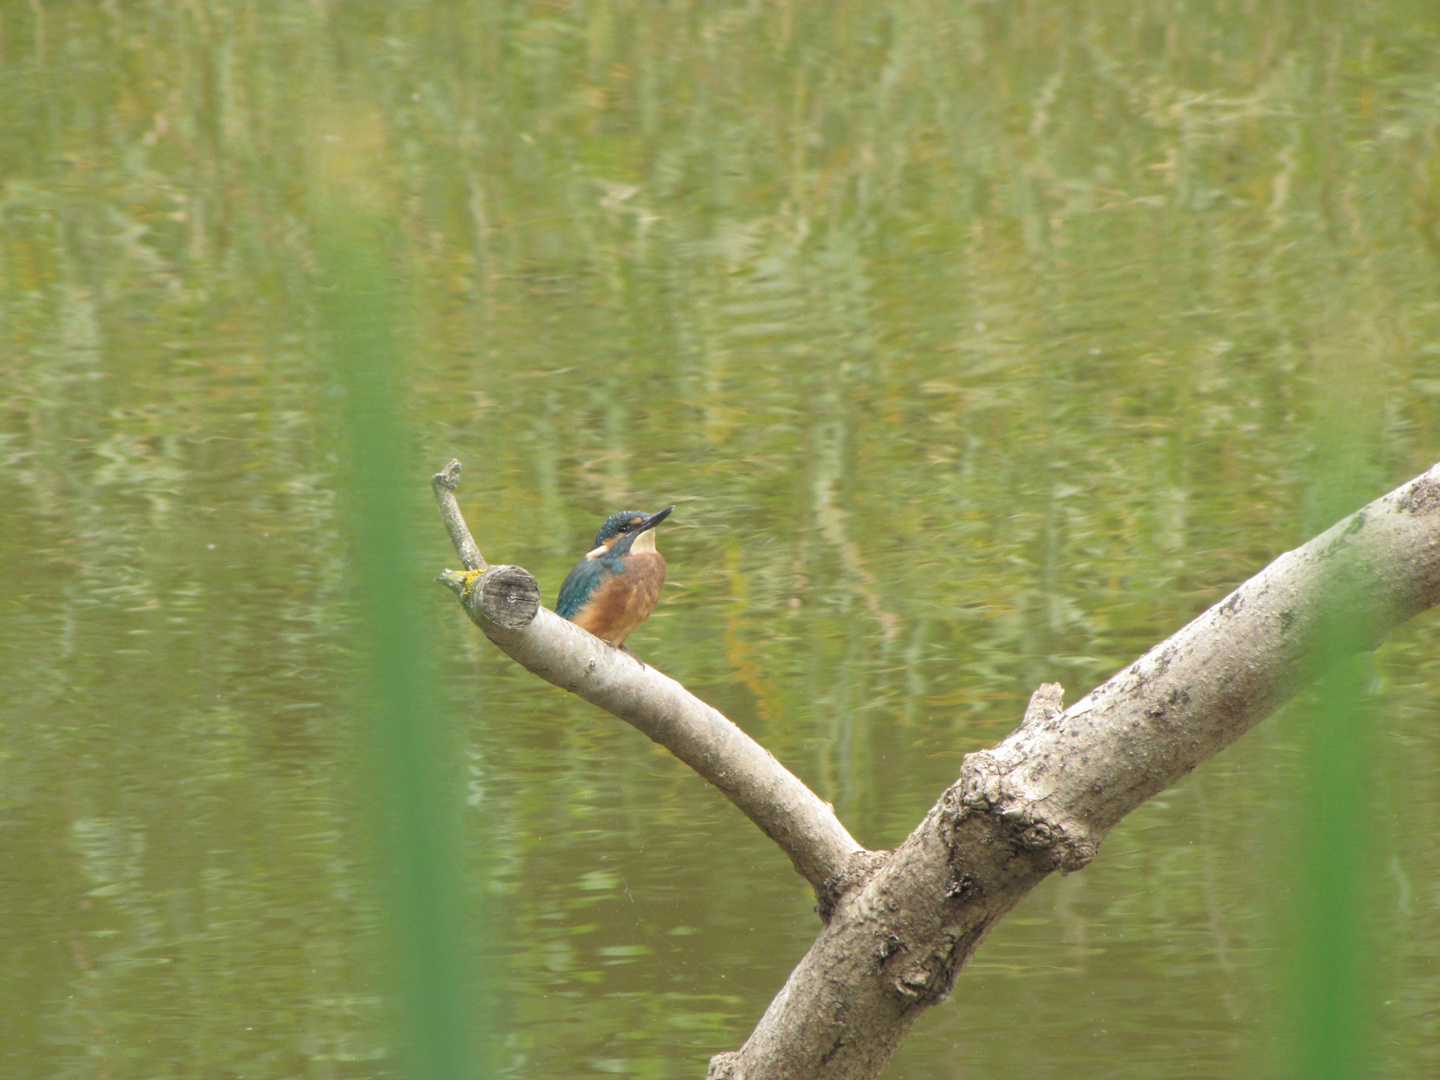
column 582, row 582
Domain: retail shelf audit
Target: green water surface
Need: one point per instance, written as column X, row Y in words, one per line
column 978, row 345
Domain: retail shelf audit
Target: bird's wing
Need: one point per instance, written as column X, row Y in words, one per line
column 579, row 585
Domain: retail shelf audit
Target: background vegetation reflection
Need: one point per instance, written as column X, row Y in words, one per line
column 978, row 344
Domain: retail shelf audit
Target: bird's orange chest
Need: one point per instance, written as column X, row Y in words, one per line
column 625, row 600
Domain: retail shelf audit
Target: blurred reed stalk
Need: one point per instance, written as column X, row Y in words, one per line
column 412, row 800
column 1334, row 970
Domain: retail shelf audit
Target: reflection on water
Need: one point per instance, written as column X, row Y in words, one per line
column 978, row 346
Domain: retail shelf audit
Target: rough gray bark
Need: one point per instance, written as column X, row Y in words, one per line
column 900, row 926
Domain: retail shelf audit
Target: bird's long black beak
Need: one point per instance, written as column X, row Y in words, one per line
column 653, row 520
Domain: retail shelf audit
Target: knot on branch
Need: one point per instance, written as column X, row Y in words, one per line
column 722, row 1066
column 1420, row 496
column 926, row 976
column 987, row 786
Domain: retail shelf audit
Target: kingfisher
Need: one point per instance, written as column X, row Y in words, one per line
column 614, row 588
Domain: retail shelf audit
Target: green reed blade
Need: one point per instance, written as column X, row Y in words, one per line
column 417, row 799
column 1333, row 965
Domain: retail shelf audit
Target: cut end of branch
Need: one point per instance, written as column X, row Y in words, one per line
column 504, row 596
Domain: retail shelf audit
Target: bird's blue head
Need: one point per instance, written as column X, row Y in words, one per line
column 621, row 530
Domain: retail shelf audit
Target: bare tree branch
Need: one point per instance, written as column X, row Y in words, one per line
column 1045, row 797
column 445, row 483
column 899, row 927
column 504, row 601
